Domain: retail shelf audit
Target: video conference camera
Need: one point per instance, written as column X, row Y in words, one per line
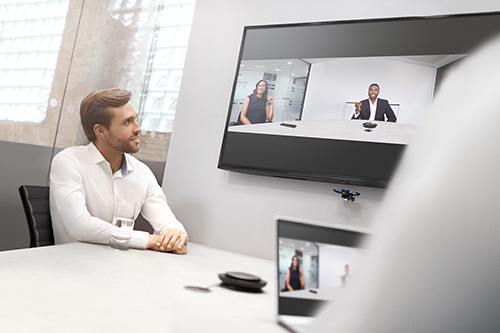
column 347, row 195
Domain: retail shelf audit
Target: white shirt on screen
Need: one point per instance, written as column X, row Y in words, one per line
column 373, row 109
column 83, row 193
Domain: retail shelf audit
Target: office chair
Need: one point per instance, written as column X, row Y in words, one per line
column 35, row 201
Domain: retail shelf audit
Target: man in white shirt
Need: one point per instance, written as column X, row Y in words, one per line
column 374, row 108
column 87, row 182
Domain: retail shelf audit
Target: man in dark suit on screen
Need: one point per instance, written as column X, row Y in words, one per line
column 374, row 108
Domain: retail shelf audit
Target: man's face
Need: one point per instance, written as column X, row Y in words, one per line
column 123, row 132
column 373, row 92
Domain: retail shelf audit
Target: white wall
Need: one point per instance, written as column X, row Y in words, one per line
column 332, row 261
column 333, row 83
column 234, row 211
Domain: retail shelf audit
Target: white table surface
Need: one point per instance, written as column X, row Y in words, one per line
column 341, row 129
column 90, row 288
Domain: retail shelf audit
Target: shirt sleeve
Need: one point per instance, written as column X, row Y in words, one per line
column 68, row 203
column 156, row 210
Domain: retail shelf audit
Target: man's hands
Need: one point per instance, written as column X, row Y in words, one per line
column 357, row 105
column 170, row 240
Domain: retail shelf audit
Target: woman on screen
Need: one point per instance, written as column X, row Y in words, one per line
column 257, row 107
column 295, row 276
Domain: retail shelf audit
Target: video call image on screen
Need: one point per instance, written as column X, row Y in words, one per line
column 315, row 72
column 326, row 269
column 319, row 95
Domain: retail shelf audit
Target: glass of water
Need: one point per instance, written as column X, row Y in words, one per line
column 122, row 225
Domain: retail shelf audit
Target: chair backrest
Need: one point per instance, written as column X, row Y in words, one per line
column 35, row 201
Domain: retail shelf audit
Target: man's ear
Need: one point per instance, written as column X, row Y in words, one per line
column 100, row 131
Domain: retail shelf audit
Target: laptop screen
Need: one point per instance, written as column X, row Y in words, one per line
column 316, row 262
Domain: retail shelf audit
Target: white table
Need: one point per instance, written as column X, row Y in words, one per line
column 342, row 129
column 89, row 288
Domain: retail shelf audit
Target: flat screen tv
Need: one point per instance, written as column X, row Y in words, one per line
column 315, row 73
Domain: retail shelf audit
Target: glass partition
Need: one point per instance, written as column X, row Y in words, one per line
column 53, row 53
column 31, row 34
column 136, row 45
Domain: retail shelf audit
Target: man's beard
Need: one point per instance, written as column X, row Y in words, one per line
column 124, row 145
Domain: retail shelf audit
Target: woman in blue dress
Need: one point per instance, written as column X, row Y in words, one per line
column 257, row 107
column 295, row 276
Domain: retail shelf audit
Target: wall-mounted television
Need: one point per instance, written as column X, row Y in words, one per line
column 296, row 90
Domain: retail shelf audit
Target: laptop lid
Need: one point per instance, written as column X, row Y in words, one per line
column 316, row 262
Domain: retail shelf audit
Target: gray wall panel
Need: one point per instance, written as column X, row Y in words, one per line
column 22, row 164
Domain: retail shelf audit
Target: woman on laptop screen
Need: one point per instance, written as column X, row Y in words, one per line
column 295, row 276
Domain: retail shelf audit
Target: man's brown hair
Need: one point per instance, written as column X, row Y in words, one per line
column 94, row 108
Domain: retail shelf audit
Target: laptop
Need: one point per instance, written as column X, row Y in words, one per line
column 316, row 262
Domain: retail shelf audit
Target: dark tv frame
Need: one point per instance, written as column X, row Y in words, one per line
column 342, row 161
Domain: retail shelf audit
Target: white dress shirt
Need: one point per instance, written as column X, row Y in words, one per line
column 84, row 191
column 373, row 109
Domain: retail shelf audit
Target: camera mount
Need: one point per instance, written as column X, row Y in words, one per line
column 347, row 195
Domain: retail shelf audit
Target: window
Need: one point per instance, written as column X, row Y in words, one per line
column 30, row 39
column 163, row 60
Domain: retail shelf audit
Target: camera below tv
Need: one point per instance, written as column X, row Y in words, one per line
column 347, row 195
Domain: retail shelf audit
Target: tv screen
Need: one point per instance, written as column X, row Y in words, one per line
column 339, row 101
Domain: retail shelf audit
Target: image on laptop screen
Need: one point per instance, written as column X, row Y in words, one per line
column 316, row 262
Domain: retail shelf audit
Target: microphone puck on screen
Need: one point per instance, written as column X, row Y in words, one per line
column 369, row 125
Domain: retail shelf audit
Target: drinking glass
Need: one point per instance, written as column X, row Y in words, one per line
column 122, row 225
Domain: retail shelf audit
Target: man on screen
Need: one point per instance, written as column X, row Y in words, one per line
column 374, row 108
column 346, row 278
